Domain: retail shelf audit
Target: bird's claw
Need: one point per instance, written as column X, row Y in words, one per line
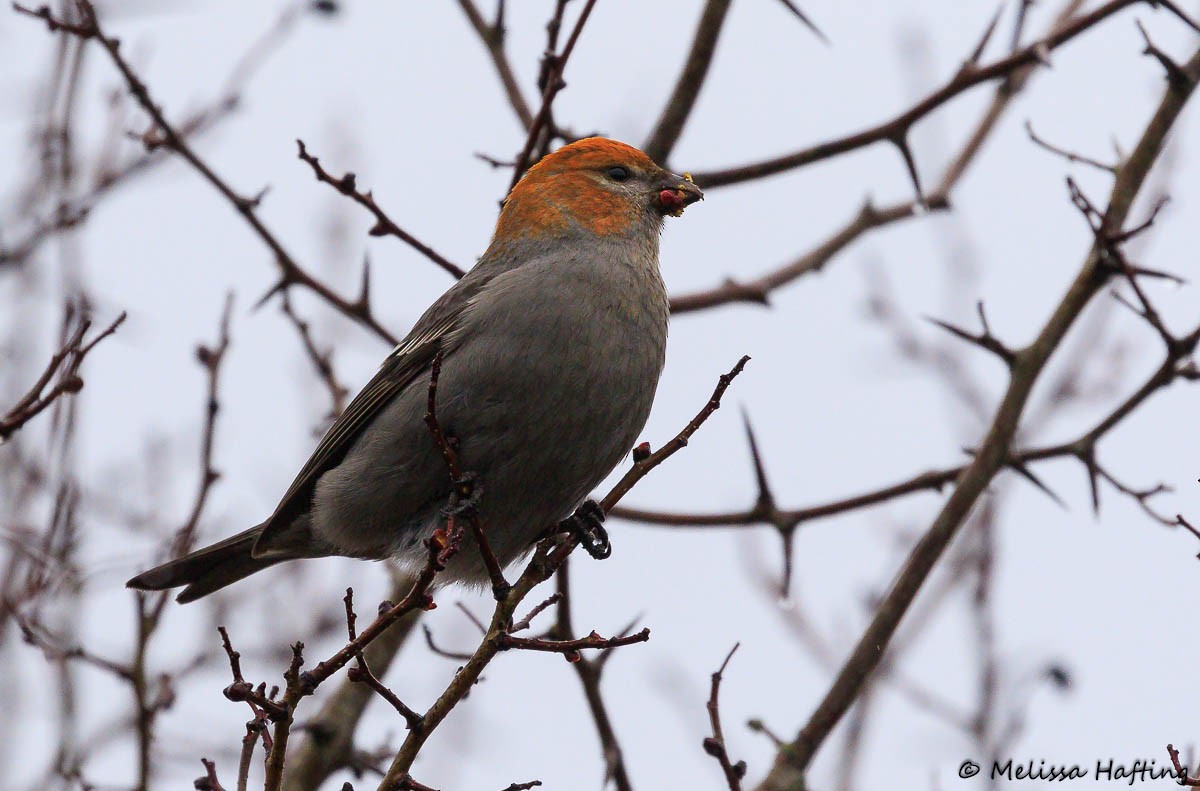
column 587, row 525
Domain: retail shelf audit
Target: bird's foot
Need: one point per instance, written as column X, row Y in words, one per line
column 587, row 525
column 465, row 492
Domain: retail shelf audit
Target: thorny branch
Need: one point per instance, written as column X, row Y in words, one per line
column 896, row 130
column 792, row 762
column 1011, row 72
column 931, row 481
column 112, row 172
column 1083, row 448
column 163, row 133
column 870, row 217
column 549, row 556
column 384, row 225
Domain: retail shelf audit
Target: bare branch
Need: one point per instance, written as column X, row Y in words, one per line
column 492, row 37
column 553, row 83
column 548, row 557
column 691, row 79
column 64, row 369
column 715, row 744
column 792, row 762
column 384, row 225
column 1070, row 156
column 163, row 133
column 968, row 76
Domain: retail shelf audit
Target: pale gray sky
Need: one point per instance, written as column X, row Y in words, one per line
column 403, row 94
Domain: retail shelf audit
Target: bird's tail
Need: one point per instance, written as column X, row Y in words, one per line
column 208, row 569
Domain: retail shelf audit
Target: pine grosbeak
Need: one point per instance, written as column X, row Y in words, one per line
column 552, row 347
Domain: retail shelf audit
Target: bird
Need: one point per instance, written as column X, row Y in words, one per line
column 549, row 352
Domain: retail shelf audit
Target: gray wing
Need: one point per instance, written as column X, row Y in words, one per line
column 402, row 366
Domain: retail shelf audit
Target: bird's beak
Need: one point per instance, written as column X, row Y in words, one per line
column 676, row 193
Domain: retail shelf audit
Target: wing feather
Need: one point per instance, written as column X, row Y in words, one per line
column 397, row 372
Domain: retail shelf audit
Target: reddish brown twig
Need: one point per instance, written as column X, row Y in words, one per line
column 361, row 673
column 1070, row 156
column 642, row 467
column 384, row 225
column 570, row 648
column 444, row 443
column 715, row 745
column 1181, row 772
column 209, row 781
column 896, row 130
column 300, row 684
column 993, row 452
column 163, row 133
column 464, row 487
column 556, row 63
column 242, row 690
column 322, row 361
column 548, row 557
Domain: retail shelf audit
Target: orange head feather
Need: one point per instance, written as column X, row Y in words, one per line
column 593, row 186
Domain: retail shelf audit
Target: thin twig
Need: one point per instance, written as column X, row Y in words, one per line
column 384, row 225
column 715, row 745
column 896, row 130
column 63, row 368
column 163, row 133
column 553, row 84
column 990, row 458
column 548, row 557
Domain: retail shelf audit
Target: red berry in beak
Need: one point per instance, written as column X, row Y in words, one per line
column 671, row 201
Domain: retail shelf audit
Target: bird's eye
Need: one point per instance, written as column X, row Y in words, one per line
column 617, row 173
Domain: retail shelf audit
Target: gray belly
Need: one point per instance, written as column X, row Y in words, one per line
column 541, row 413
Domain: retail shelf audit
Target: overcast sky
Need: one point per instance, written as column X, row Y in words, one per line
column 403, row 95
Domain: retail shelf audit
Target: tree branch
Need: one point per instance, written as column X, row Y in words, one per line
column 896, row 129
column 792, row 762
